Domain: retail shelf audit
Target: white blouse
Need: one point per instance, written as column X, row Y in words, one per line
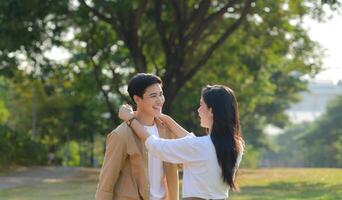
column 201, row 171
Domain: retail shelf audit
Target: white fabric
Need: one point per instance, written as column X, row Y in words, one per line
column 201, row 171
column 155, row 170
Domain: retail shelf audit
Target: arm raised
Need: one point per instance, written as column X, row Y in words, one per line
column 175, row 128
column 126, row 113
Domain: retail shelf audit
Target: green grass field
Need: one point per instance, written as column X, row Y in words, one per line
column 289, row 184
column 81, row 187
column 259, row 184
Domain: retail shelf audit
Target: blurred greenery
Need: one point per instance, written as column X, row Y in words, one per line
column 323, row 137
column 54, row 122
column 70, row 150
column 20, row 149
column 251, row 157
column 314, row 144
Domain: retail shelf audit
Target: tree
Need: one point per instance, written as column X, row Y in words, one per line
column 4, row 112
column 323, row 140
column 177, row 40
column 311, row 144
column 66, row 109
column 288, row 149
column 265, row 72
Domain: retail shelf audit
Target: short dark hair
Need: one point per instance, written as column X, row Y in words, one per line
column 138, row 84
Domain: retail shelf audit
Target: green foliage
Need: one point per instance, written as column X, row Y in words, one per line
column 5, row 145
column 315, row 144
column 289, row 150
column 323, row 138
column 69, row 154
column 4, row 113
column 251, row 157
column 188, row 44
column 59, row 108
column 18, row 148
column 337, row 145
column 263, row 63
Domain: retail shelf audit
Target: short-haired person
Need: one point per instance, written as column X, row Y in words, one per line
column 129, row 172
column 209, row 162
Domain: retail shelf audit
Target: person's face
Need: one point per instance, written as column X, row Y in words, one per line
column 152, row 101
column 205, row 114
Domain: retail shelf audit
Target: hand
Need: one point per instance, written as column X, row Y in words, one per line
column 126, row 112
column 163, row 117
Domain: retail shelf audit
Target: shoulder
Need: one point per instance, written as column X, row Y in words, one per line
column 163, row 130
column 121, row 132
column 199, row 146
column 203, row 141
column 241, row 145
column 195, row 142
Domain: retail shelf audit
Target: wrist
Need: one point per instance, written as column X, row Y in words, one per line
column 129, row 121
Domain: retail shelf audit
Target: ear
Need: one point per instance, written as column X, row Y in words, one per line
column 137, row 99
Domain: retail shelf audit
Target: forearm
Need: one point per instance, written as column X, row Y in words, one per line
column 139, row 130
column 175, row 128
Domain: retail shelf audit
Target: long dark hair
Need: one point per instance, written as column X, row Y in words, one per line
column 225, row 132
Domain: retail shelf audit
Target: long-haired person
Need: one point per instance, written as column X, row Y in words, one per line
column 209, row 162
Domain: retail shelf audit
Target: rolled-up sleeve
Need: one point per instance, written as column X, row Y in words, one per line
column 177, row 151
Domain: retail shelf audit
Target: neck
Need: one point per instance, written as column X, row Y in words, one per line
column 210, row 128
column 144, row 119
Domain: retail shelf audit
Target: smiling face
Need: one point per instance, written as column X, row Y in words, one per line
column 152, row 101
column 205, row 114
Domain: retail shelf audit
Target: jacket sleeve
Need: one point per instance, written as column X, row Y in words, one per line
column 113, row 162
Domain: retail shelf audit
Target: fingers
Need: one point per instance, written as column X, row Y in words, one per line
column 125, row 112
column 127, row 106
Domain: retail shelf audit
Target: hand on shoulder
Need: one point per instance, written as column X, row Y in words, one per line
column 126, row 112
column 163, row 117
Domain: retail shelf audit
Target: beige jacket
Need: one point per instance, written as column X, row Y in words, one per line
column 124, row 173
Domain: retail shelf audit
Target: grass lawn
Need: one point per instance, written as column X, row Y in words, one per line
column 259, row 184
column 81, row 187
column 289, row 184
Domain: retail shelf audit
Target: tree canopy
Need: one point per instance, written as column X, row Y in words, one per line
column 259, row 48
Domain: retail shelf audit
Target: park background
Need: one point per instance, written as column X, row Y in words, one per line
column 65, row 64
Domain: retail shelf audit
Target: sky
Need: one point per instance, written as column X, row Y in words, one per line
column 329, row 35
